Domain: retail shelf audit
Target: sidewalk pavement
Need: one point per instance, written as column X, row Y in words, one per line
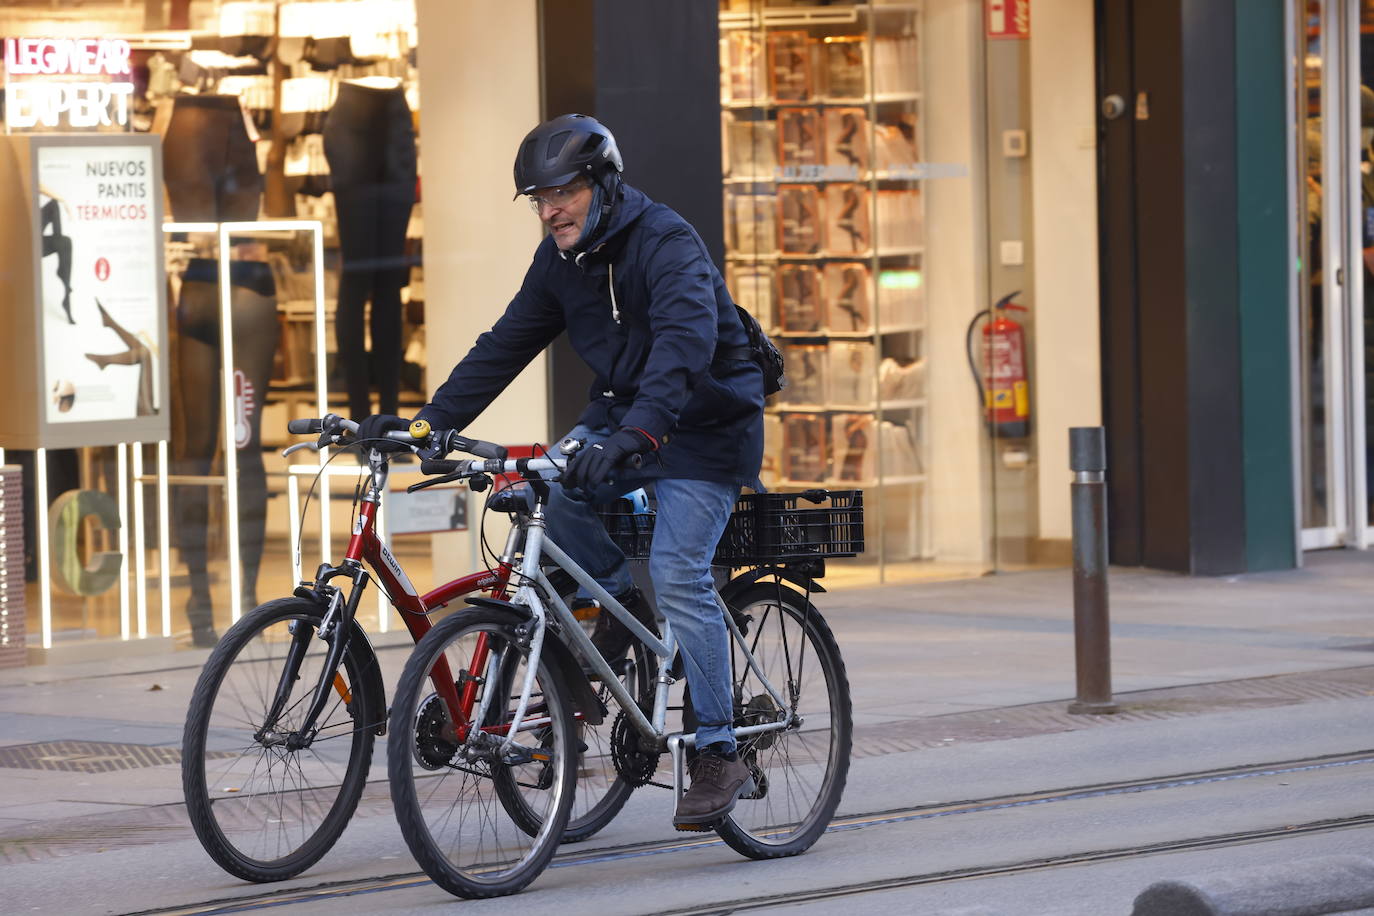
column 920, row 657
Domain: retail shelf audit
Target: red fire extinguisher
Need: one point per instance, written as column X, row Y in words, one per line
column 1003, row 385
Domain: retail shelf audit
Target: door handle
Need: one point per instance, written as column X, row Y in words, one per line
column 1113, row 107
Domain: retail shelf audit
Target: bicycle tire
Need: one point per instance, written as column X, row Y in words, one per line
column 448, row 838
column 807, row 766
column 253, row 805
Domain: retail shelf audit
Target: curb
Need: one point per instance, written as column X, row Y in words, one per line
column 1325, row 884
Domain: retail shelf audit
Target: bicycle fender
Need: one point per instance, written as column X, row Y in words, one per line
column 561, row 658
column 744, row 580
column 365, row 657
column 584, row 696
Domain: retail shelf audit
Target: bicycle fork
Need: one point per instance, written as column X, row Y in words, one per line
column 334, row 630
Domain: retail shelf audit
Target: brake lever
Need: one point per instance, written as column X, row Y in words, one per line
column 298, row 446
column 447, row 478
column 430, row 482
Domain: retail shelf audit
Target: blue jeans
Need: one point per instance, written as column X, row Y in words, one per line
column 691, row 516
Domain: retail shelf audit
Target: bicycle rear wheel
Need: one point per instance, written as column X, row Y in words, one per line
column 601, row 790
column 799, row 772
column 263, row 810
column 447, row 783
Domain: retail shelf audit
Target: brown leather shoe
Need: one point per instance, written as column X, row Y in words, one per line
column 717, row 783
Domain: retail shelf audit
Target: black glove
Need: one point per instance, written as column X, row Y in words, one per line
column 372, row 432
column 590, row 467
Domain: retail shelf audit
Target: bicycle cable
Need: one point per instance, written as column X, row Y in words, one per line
column 309, row 494
column 355, row 446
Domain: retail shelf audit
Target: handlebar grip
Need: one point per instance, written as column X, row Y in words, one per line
column 477, row 447
column 439, row 466
column 489, row 450
column 305, row 426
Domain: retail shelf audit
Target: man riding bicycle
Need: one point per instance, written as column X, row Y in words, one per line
column 644, row 306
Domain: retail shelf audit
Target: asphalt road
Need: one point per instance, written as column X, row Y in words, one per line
column 1018, row 826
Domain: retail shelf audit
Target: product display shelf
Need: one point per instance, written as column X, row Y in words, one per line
column 757, row 16
column 845, row 483
column 826, row 175
column 770, row 256
column 820, row 106
column 882, row 98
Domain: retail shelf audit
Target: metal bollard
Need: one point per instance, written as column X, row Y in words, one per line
column 1091, row 630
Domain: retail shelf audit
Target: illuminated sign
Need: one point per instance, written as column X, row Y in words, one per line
column 45, row 88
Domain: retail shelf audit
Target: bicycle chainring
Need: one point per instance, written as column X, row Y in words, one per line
column 635, row 759
column 432, row 749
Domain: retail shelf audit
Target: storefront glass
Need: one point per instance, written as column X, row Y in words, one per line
column 297, row 123
column 825, row 236
column 869, row 208
column 1333, row 105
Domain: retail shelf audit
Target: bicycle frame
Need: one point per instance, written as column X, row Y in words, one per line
column 537, row 545
column 367, row 552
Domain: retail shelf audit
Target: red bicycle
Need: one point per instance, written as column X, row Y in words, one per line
column 281, row 726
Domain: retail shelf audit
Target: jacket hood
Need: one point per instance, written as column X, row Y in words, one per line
column 629, row 206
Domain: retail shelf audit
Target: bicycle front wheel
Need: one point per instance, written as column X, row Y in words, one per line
column 264, row 807
column 451, row 776
column 799, row 772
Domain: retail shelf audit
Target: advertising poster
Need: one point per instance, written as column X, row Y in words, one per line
column 99, row 282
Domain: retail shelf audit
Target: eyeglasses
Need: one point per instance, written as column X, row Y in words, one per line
column 555, row 197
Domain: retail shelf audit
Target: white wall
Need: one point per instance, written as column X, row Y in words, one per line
column 1067, row 386
column 479, row 96
column 956, row 278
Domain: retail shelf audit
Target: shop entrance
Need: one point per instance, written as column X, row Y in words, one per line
column 1333, row 124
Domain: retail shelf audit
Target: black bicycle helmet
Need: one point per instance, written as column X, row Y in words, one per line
column 559, row 150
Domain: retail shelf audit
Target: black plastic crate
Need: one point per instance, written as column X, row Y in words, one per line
column 778, row 527
column 764, row 528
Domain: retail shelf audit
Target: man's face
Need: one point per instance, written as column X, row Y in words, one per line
column 563, row 210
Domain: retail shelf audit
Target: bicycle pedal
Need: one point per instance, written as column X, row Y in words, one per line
column 695, row 828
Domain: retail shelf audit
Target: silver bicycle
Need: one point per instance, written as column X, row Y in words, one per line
column 484, row 785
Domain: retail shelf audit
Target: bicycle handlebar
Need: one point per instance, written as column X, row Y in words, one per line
column 491, row 458
column 447, row 440
column 331, row 427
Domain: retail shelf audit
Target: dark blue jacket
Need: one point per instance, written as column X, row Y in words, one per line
column 673, row 362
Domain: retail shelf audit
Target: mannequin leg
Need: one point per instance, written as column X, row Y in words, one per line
column 358, row 215
column 255, row 344
column 392, row 274
column 354, row 287
column 198, row 374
